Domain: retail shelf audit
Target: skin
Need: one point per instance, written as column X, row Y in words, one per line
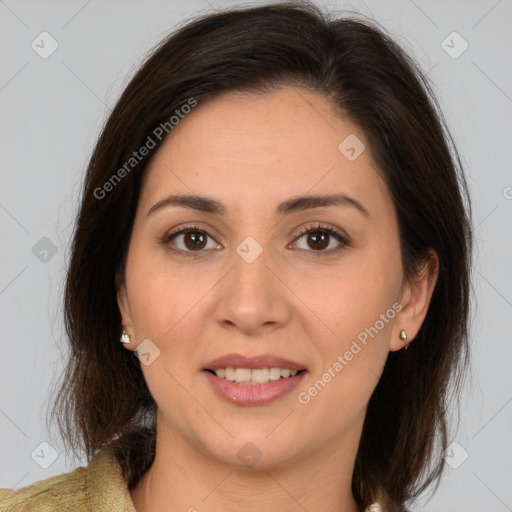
column 250, row 152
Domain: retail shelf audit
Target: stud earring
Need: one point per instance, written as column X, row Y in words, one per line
column 125, row 339
column 403, row 337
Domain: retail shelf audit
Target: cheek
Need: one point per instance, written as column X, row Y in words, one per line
column 160, row 297
column 166, row 308
column 170, row 307
column 357, row 305
column 353, row 297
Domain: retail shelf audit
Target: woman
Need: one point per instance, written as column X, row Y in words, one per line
column 267, row 297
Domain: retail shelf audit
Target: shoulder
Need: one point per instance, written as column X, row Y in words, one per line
column 97, row 487
column 62, row 492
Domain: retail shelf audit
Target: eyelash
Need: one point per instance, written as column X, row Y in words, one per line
column 315, row 228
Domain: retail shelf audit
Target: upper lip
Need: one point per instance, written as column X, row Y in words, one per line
column 261, row 361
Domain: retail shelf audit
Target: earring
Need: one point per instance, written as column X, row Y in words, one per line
column 125, row 339
column 403, row 337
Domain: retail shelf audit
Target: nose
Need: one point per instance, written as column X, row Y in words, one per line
column 252, row 298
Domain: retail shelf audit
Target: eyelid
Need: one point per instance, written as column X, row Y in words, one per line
column 320, row 226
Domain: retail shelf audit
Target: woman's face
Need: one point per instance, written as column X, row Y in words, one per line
column 246, row 280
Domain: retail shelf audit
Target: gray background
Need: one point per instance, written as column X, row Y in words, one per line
column 52, row 111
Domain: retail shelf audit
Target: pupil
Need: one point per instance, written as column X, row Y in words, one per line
column 196, row 240
column 319, row 237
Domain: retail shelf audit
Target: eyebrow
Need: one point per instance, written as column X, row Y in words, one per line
column 295, row 204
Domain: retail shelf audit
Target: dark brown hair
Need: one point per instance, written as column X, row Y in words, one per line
column 370, row 80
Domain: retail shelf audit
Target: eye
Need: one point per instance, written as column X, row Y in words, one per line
column 189, row 240
column 192, row 240
column 321, row 239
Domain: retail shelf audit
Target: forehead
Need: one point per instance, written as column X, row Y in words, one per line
column 264, row 146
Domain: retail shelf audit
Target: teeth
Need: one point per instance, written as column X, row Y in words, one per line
column 274, row 374
column 260, row 376
column 253, row 377
column 230, row 374
column 242, row 374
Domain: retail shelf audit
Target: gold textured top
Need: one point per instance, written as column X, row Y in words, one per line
column 99, row 487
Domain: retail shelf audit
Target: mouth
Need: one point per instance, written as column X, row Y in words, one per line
column 254, row 377
column 252, row 381
column 254, row 370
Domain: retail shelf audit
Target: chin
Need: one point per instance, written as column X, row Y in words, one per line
column 254, row 452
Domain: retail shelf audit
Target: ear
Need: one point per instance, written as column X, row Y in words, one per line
column 124, row 308
column 415, row 299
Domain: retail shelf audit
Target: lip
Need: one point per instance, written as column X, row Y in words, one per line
column 253, row 395
column 261, row 361
column 249, row 395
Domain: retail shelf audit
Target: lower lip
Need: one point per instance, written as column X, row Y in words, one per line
column 251, row 395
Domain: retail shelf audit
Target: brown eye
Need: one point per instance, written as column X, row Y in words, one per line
column 322, row 240
column 318, row 240
column 194, row 240
column 188, row 241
